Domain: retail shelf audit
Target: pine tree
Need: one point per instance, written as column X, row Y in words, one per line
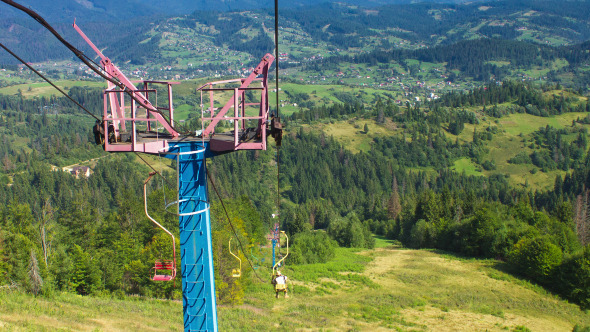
column 380, row 114
column 46, row 217
column 78, row 280
column 35, row 280
column 393, row 205
column 581, row 218
column 458, row 213
column 2, row 263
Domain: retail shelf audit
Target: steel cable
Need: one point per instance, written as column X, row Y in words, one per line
column 232, row 226
column 83, row 57
column 48, row 81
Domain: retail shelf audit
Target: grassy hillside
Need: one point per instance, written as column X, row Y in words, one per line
column 382, row 289
column 513, row 136
column 44, row 89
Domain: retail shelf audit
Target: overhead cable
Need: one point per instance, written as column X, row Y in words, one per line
column 49, row 81
column 153, row 169
column 278, row 106
column 277, row 52
column 232, row 226
column 83, row 57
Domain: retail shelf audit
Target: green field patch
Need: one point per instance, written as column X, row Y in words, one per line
column 498, row 63
column 382, row 242
column 431, row 65
column 542, row 71
column 465, row 165
column 44, row 89
column 183, row 112
column 467, row 134
column 515, row 124
column 324, row 95
column 565, row 94
column 504, row 147
column 352, row 136
column 513, row 138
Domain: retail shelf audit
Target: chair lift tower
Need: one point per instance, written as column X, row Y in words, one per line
column 133, row 122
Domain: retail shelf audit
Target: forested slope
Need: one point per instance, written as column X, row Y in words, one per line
column 90, row 235
column 403, row 187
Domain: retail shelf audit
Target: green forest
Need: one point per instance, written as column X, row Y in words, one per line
column 90, row 235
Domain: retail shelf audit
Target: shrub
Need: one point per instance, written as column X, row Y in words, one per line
column 520, row 158
column 506, row 236
column 536, row 258
column 456, row 127
column 420, row 234
column 579, row 328
column 311, row 247
column 488, row 165
column 573, row 278
column 351, row 232
column 478, row 233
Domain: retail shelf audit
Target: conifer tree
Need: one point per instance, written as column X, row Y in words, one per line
column 581, row 218
column 393, row 205
column 35, row 280
column 46, row 217
column 379, row 106
column 2, row 263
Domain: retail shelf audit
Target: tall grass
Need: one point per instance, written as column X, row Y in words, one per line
column 387, row 288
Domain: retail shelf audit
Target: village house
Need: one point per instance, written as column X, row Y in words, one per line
column 78, row 171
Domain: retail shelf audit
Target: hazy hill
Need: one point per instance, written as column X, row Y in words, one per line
column 187, row 6
column 430, row 24
column 306, row 30
column 64, row 10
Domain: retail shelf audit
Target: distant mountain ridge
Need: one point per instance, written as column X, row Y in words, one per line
column 105, row 10
column 329, row 26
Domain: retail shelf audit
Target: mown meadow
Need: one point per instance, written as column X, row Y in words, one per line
column 382, row 289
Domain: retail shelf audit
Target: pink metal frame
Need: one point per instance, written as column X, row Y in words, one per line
column 116, row 73
column 239, row 105
column 116, row 113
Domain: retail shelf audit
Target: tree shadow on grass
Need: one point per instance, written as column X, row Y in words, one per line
column 502, row 270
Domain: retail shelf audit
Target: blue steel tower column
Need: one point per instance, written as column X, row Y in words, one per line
column 198, row 281
column 274, row 244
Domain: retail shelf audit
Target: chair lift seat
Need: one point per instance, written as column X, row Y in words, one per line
column 235, row 273
column 162, row 277
column 164, row 265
